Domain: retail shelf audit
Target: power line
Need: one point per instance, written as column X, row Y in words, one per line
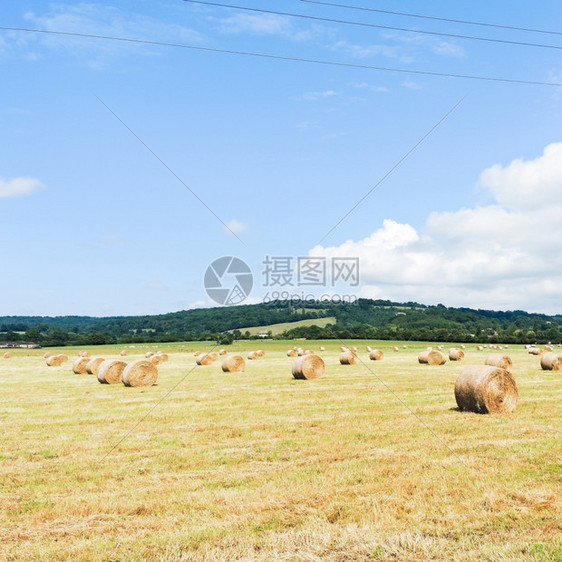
column 283, row 57
column 436, row 18
column 379, row 26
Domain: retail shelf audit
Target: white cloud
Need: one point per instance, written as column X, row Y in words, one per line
column 18, row 187
column 503, row 255
column 97, row 19
column 314, row 96
column 259, row 24
column 235, row 227
column 527, row 185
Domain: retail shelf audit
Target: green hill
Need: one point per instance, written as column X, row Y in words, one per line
column 365, row 318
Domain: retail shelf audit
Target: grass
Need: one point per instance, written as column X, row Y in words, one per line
column 283, row 326
column 259, row 466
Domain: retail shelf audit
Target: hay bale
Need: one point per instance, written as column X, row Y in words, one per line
column 343, row 348
column 354, row 349
column 156, row 359
column 260, row 352
column 84, row 354
column 7, row 355
column 80, row 365
column 376, row 355
column 395, row 348
column 308, row 367
column 148, row 354
column 111, row 371
column 480, row 348
column 348, row 357
column 252, row 356
column 47, row 354
column 464, row 346
column 163, row 356
column 233, row 364
column 292, row 353
column 534, row 350
column 222, row 352
column 322, row 348
column 498, row 360
column 140, row 373
column 368, row 348
column 57, row 360
column 456, row 354
column 405, row 346
column 308, row 352
column 124, row 353
column 432, row 357
column 551, row 362
column 205, row 359
column 485, row 389
column 94, row 364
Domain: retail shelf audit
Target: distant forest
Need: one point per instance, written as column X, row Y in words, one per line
column 364, row 319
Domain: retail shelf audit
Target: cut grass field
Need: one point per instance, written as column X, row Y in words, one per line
column 371, row 462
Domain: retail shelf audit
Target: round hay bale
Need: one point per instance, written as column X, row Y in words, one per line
column 47, row 354
column 292, row 353
column 480, row 348
column 343, row 348
column 156, row 359
column 551, row 362
column 57, row 360
column 499, row 361
column 80, row 365
column 485, row 389
column 252, row 356
column 395, row 348
column 376, row 355
column 204, row 359
column 222, row 352
column 233, row 364
column 456, row 354
column 354, row 349
column 347, row 358
column 110, row 371
column 322, row 348
column 148, row 354
column 464, row 346
column 300, row 351
column 140, row 373
column 124, row 353
column 432, row 357
column 94, row 364
column 534, row 351
column 308, row 352
column 368, row 349
column 84, row 354
column 260, row 352
column 308, row 367
column 405, row 346
column 7, row 355
column 163, row 356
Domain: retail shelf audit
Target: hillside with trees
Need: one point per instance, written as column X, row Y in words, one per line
column 368, row 319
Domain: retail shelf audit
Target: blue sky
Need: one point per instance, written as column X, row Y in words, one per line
column 92, row 223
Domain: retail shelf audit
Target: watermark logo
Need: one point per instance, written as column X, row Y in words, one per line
column 228, row 280
column 298, row 280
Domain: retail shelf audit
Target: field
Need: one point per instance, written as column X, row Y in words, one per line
column 280, row 328
column 371, row 462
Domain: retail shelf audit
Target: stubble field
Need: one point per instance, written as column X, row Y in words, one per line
column 371, row 462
